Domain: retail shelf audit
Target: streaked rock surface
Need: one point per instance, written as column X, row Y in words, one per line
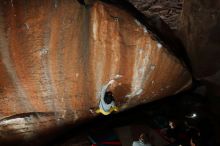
column 56, row 55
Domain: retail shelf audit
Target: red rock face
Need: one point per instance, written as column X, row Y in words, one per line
column 55, row 56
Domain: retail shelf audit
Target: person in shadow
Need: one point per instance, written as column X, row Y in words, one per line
column 142, row 141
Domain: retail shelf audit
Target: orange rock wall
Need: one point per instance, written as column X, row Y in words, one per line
column 55, row 56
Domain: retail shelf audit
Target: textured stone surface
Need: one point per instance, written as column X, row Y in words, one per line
column 56, row 55
column 168, row 10
column 200, row 27
column 199, row 30
column 197, row 24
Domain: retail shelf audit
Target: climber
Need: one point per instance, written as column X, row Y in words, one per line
column 107, row 102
